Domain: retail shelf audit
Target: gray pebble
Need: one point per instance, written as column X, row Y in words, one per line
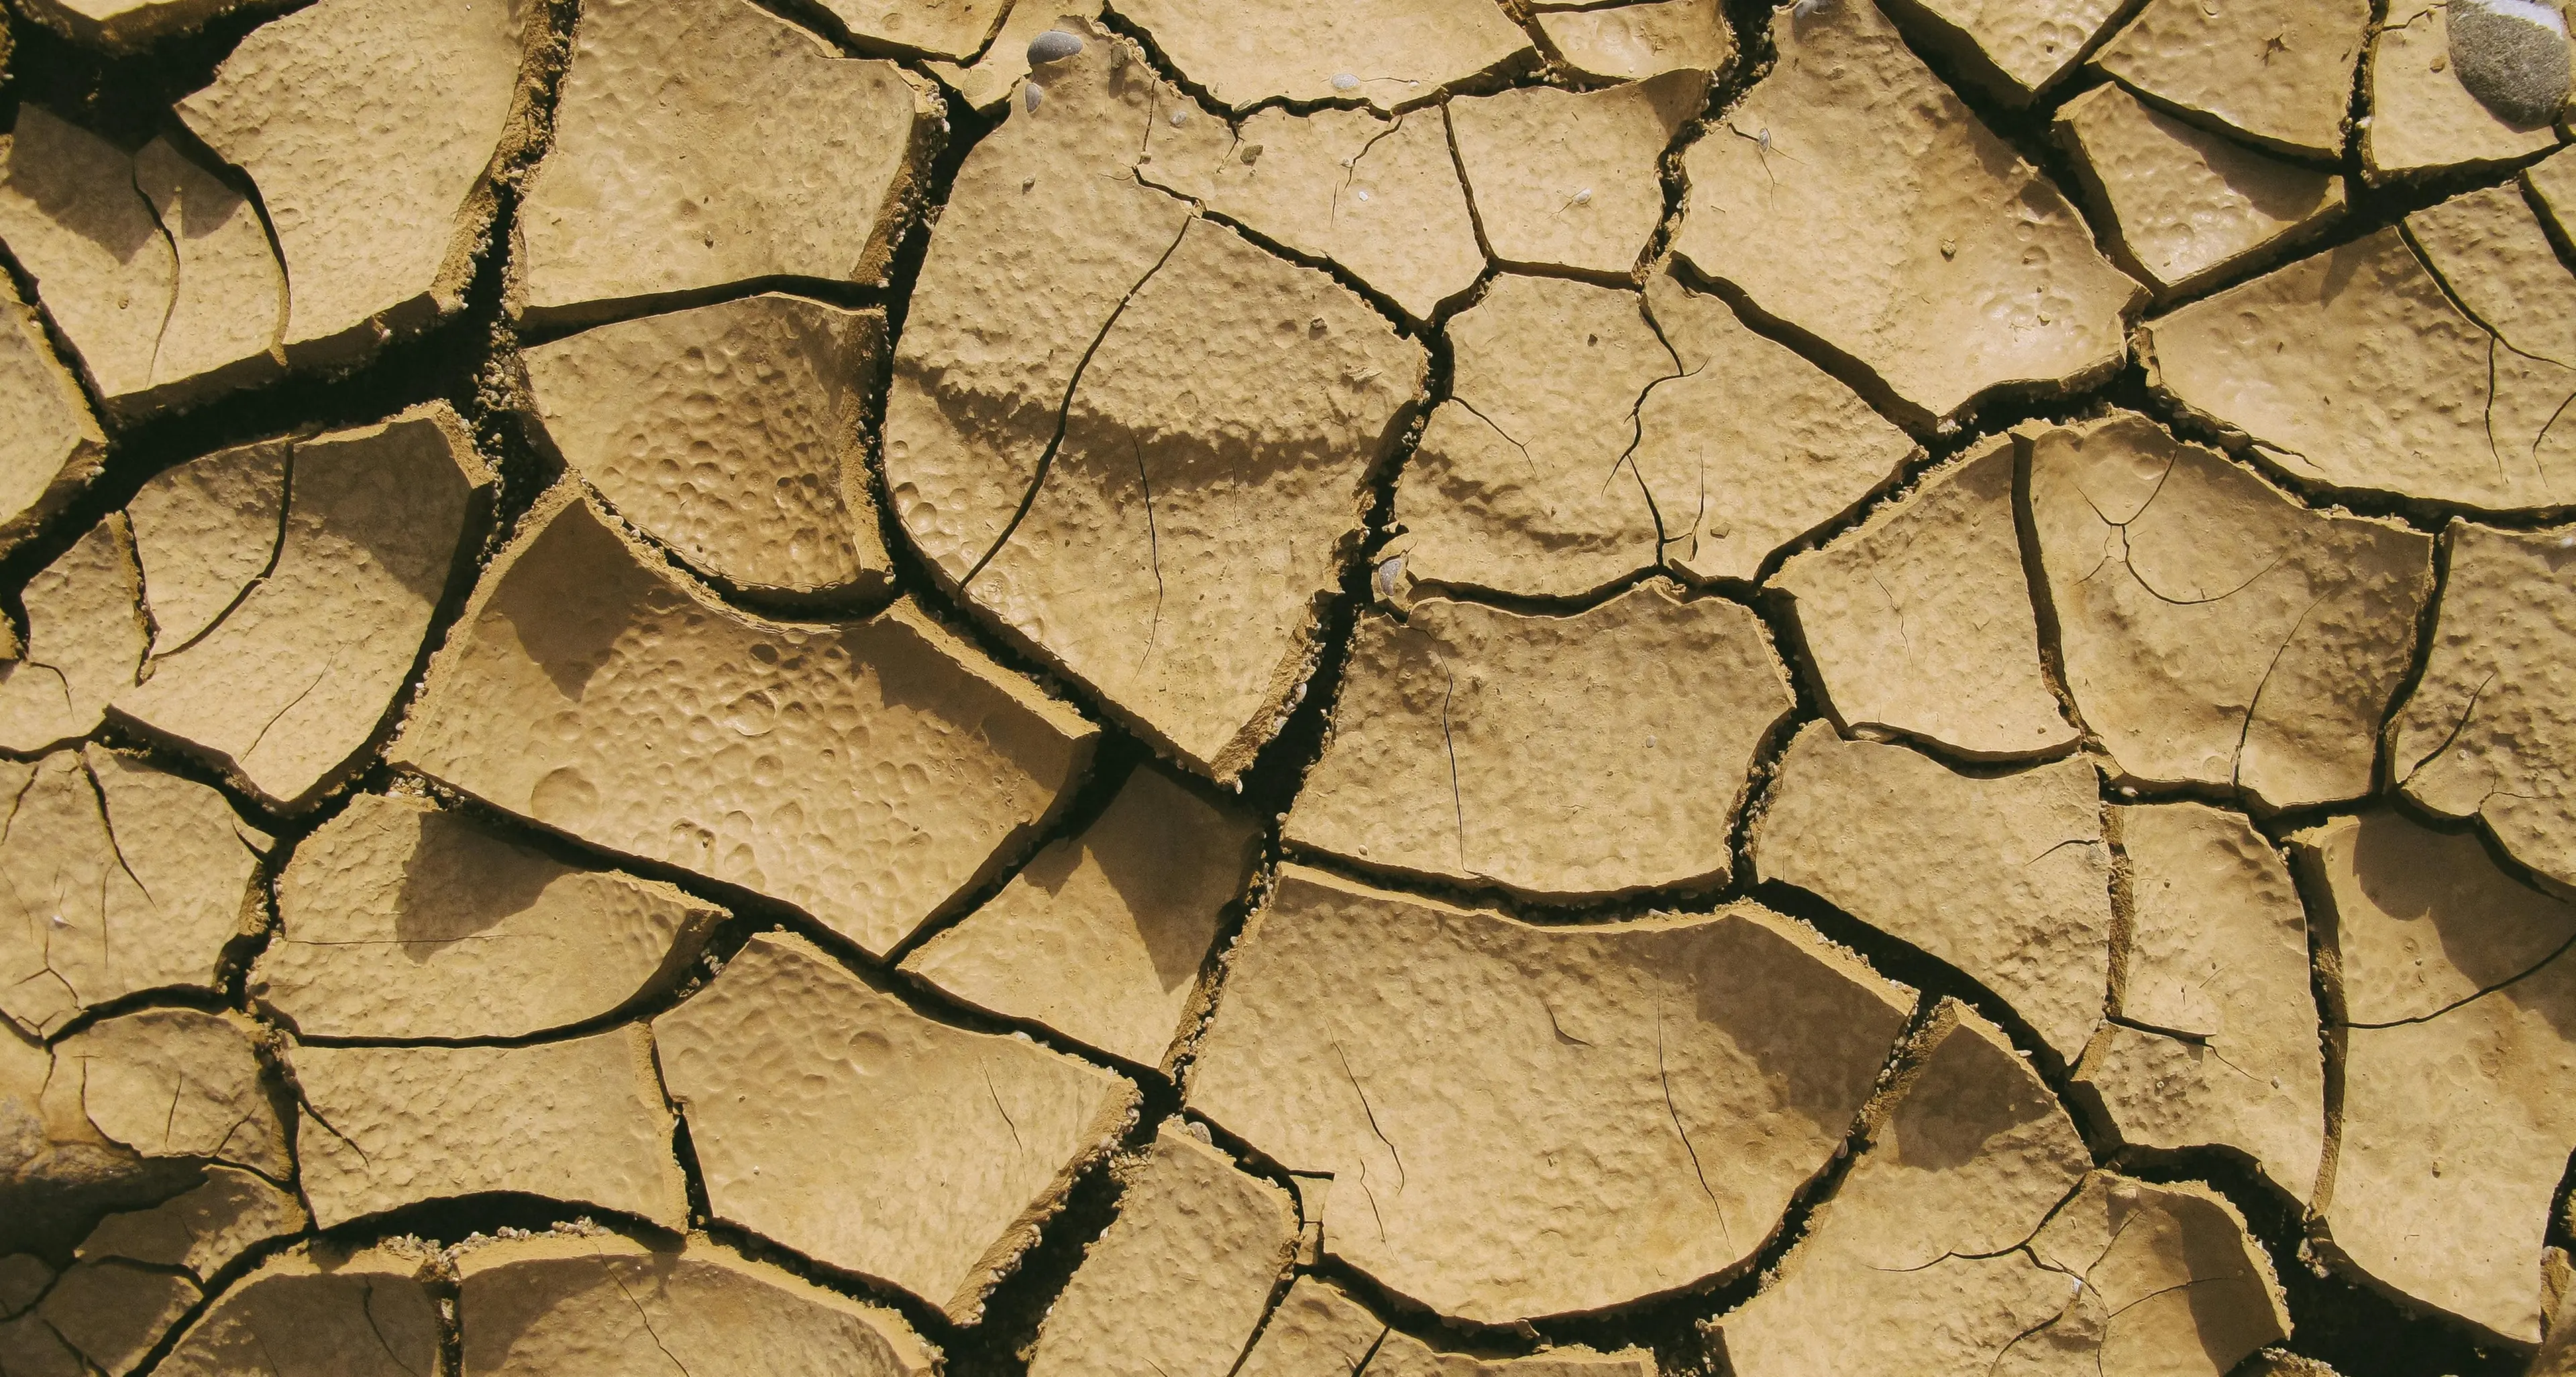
column 1031, row 94
column 2512, row 56
column 1055, row 45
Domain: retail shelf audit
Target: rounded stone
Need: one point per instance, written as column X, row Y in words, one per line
column 2512, row 56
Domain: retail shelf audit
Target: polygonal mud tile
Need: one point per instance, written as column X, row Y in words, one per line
column 952, row 29
column 1388, row 53
column 1925, row 1232
column 175, row 1083
column 1752, row 446
column 1633, row 42
column 2278, row 72
column 867, row 772
column 2214, row 1037
column 1178, row 1281
column 1319, row 1329
column 159, row 275
column 2006, row 878
column 58, row 1173
column 397, row 919
column 702, row 143
column 1516, row 485
column 318, row 1311
column 1920, row 620
column 1604, row 752
column 990, row 79
column 1571, row 181
column 1150, row 488
column 561, row 1302
column 2460, row 1049
column 582, row 1120
column 1102, row 937
column 2014, row 51
column 1378, row 196
column 318, row 617
column 139, row 1273
column 2355, row 368
column 2490, row 729
column 50, row 445
column 835, row 1120
column 120, row 879
column 731, row 433
column 371, row 129
column 2423, row 116
column 1440, row 1064
column 2188, row 205
column 2215, row 631
column 2171, row 1283
column 85, row 639
column 1853, row 198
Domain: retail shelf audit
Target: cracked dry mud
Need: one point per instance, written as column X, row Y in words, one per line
column 1255, row 688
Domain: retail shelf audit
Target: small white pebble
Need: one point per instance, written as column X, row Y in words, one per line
column 1363, row 195
column 1200, row 1132
column 1180, row 116
column 1346, row 82
column 1583, row 197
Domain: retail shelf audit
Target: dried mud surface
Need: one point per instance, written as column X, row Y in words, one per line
column 1249, row 688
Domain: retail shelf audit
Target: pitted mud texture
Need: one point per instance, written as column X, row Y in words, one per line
column 1256, row 688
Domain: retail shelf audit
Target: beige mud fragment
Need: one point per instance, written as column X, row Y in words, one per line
column 2422, row 120
column 2215, row 631
column 1402, row 1355
column 50, row 445
column 2353, row 368
column 58, row 1173
column 2016, row 49
column 866, row 772
column 85, row 639
column 139, row 1273
column 560, row 1303
column 1920, row 621
column 1633, row 42
column 1314, row 1331
column 317, row 1312
column 1046, row 235
column 114, row 878
column 702, row 143
column 1378, row 196
column 2172, row 1284
column 398, row 919
column 2006, row 878
column 2552, row 182
column 385, row 1127
column 2456, row 1122
column 1854, row 198
column 229, row 304
column 175, row 1083
column 835, row 1120
column 103, row 270
column 1924, row 1235
column 991, row 78
column 2188, row 205
column 1442, row 1064
column 1178, row 1281
column 203, row 1230
column 1212, row 465
column 204, row 533
column 730, row 433
column 1554, row 727
column 2214, row 1038
column 371, row 128
column 952, row 29
column 1570, row 180
column 1517, row 486
column 2490, row 731
column 2278, row 72
column 288, row 689
column 1389, row 53
column 2489, row 249
column 1101, row 938
column 1752, row 446
column 123, row 26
